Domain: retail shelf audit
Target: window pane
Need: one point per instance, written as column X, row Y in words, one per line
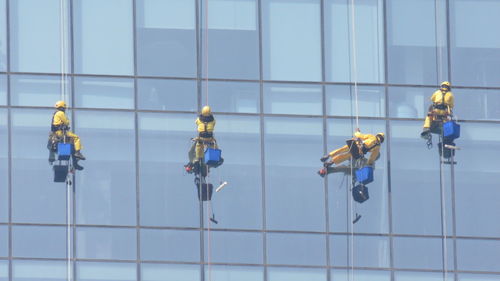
column 341, row 101
column 233, row 96
column 36, row 197
column 170, row 272
column 38, row 270
column 168, row 197
column 100, row 271
column 292, row 148
column 106, row 189
column 166, row 38
column 4, row 270
column 373, row 211
column 296, row 249
column 291, row 48
column 407, row 102
column 39, row 242
column 475, row 55
column 231, row 273
column 480, row 255
column 227, row 247
column 170, row 245
column 421, row 253
column 103, row 37
column 104, row 92
column 416, row 45
column 478, row 277
column 156, row 94
column 360, row 275
column 418, row 276
column 369, row 41
column 106, row 243
column 3, row 39
column 37, row 90
column 233, row 37
column 4, row 242
column 3, row 89
column 485, row 104
column 292, row 99
column 368, row 251
column 295, row 274
column 37, row 23
column 4, row 202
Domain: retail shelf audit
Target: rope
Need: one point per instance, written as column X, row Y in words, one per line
column 206, row 51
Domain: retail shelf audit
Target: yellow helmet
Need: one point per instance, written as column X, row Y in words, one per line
column 445, row 85
column 380, row 137
column 206, row 111
column 60, row 104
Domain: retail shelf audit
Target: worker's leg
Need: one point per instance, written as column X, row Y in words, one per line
column 199, row 150
column 76, row 140
column 427, row 122
column 191, row 153
column 336, row 152
column 341, row 158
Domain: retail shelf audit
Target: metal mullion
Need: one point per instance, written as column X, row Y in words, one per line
column 9, row 142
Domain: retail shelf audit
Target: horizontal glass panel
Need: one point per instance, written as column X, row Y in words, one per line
column 341, row 101
column 3, row 85
column 418, row 276
column 485, row 104
column 421, row 253
column 478, row 277
column 296, row 249
column 4, row 241
column 3, row 37
column 106, row 243
column 106, row 271
column 295, row 274
column 231, row 273
column 36, row 90
column 409, row 102
column 227, row 247
column 242, row 97
column 26, row 270
column 4, row 202
column 39, row 241
column 170, row 272
column 360, row 275
column 170, row 245
column 366, row 251
column 162, row 94
column 4, row 270
column 480, row 255
column 104, row 92
column 292, row 99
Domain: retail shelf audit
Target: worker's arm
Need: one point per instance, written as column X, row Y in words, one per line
column 450, row 100
column 374, row 153
column 60, row 119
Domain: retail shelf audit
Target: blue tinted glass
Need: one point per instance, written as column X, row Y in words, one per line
column 233, row 36
column 36, row 197
column 291, row 49
column 296, row 249
column 485, row 104
column 4, row 205
column 39, row 241
column 106, row 271
column 37, row 90
column 340, row 101
column 170, row 272
column 478, row 277
column 230, row 273
column 162, row 94
column 416, row 44
column 481, row 255
column 4, row 241
column 360, row 275
column 340, row 46
column 103, row 43
column 295, row 274
column 233, row 96
column 170, row 245
column 406, row 102
column 373, row 211
column 367, row 251
column 418, row 276
column 294, row 192
column 106, row 243
column 421, row 253
column 239, row 204
column 292, row 99
column 106, row 189
column 474, row 54
column 26, row 270
column 104, row 92
column 37, row 23
column 166, row 38
column 3, row 89
column 227, row 247
column 168, row 196
column 3, row 38
column 475, row 168
column 4, row 270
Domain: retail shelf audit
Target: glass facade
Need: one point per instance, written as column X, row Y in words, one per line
column 281, row 77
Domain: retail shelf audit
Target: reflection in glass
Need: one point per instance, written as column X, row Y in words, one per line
column 4, row 270
column 104, row 92
column 3, row 39
column 421, row 253
column 368, row 251
column 26, row 270
column 106, row 189
column 295, row 274
column 360, row 275
column 4, row 242
column 4, row 202
column 485, row 104
column 294, row 193
column 227, row 247
column 36, row 90
column 106, row 243
column 36, row 197
column 35, row 23
column 231, row 273
column 106, row 271
column 170, row 272
column 296, row 249
column 369, row 39
column 478, row 277
column 418, row 276
column 291, row 48
column 161, row 94
column 166, row 38
column 103, row 43
column 3, row 88
column 292, row 99
column 39, row 241
column 408, row 102
column 242, row 97
column 340, row 101
column 480, row 255
column 170, row 245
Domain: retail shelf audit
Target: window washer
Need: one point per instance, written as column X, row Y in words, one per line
column 441, row 108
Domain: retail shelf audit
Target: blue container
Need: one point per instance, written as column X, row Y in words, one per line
column 451, row 130
column 212, row 156
column 63, row 151
column 364, row 175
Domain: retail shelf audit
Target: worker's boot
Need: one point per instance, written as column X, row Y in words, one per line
column 76, row 165
column 324, row 158
column 78, row 155
column 426, row 133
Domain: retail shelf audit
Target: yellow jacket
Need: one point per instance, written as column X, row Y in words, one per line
column 59, row 119
column 206, row 125
column 371, row 143
column 449, row 99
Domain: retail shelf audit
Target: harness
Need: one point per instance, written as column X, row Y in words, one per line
column 55, row 128
column 205, row 120
column 442, row 105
